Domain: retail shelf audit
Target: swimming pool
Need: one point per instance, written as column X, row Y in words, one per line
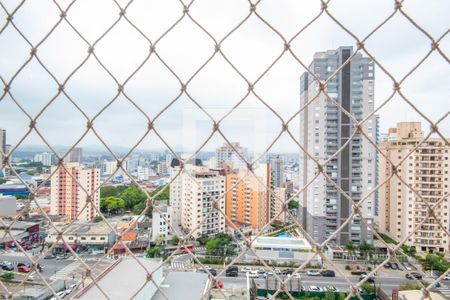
column 284, row 234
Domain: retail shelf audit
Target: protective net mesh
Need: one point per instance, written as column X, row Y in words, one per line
column 283, row 285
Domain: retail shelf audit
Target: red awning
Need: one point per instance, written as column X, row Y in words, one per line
column 119, row 248
column 71, row 246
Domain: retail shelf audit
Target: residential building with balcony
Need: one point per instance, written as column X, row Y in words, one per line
column 423, row 178
column 248, row 197
column 324, row 129
column 232, row 157
column 161, row 221
column 198, row 200
column 71, row 191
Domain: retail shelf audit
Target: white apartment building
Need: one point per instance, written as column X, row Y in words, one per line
column 161, row 221
column 226, row 154
column 67, row 198
column 45, row 158
column 427, row 171
column 324, row 129
column 199, row 193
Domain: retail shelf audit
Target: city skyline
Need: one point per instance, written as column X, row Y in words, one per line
column 123, row 125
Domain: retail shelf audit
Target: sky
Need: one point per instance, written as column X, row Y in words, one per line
column 252, row 48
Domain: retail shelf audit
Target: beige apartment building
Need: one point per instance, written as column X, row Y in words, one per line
column 196, row 194
column 67, row 198
column 426, row 170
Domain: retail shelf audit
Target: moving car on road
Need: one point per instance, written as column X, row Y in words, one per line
column 232, row 271
column 416, row 275
column 328, row 273
column 313, row 273
column 371, row 278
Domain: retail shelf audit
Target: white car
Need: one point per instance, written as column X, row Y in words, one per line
column 446, row 277
column 313, row 273
column 296, row 276
column 246, row 269
column 60, row 295
column 267, row 274
column 314, row 288
column 253, row 274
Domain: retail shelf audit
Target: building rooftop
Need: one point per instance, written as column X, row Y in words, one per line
column 281, row 242
column 123, row 280
column 99, row 228
column 183, row 285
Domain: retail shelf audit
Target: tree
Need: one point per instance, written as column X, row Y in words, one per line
column 329, row 295
column 365, row 248
column 110, row 190
column 165, row 194
column 8, row 275
column 350, row 247
column 220, row 245
column 175, row 240
column 111, row 204
column 138, row 208
column 155, row 251
column 293, row 204
column 203, row 239
column 132, row 196
column 368, row 288
column 98, row 219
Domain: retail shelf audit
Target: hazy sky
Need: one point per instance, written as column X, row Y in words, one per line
column 217, row 87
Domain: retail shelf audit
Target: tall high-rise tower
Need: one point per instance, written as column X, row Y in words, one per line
column 324, row 129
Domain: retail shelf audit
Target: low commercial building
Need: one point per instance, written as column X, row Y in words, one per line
column 25, row 233
column 282, row 248
column 14, row 190
column 84, row 237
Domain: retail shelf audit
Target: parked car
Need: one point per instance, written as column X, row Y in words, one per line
column 371, row 278
column 23, row 264
column 408, row 266
column 314, row 288
column 412, row 275
column 296, row 276
column 232, row 271
column 313, row 273
column 277, row 271
column 328, row 273
column 388, row 265
column 446, row 277
column 267, row 274
column 23, row 269
column 287, row 272
column 6, row 265
column 395, row 266
column 331, row 288
column 253, row 274
column 246, row 269
column 50, row 256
